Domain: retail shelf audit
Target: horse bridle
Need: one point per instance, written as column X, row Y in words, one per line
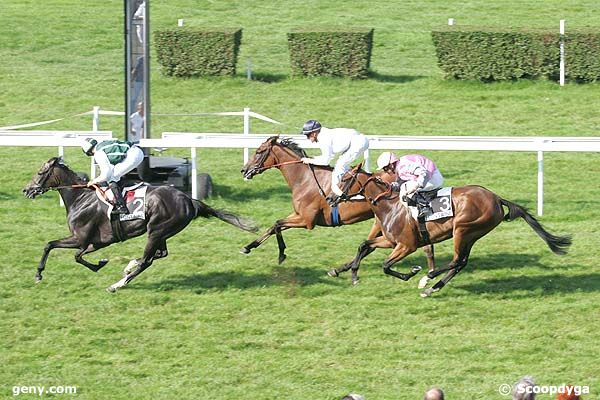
column 388, row 193
column 265, row 153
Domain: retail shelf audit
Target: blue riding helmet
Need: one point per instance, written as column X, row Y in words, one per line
column 88, row 145
column 311, row 126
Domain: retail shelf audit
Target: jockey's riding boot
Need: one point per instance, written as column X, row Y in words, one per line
column 119, row 206
column 422, row 205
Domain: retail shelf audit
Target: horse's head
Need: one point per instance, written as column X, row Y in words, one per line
column 377, row 187
column 267, row 156
column 49, row 176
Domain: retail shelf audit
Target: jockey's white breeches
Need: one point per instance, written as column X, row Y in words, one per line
column 435, row 182
column 358, row 145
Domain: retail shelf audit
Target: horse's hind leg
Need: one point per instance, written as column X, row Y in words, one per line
column 153, row 245
column 67, row 243
column 462, row 251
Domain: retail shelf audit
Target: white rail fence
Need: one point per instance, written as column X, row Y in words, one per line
column 193, row 141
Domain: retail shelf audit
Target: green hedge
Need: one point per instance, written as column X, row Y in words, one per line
column 481, row 54
column 582, row 56
column 493, row 55
column 186, row 52
column 344, row 53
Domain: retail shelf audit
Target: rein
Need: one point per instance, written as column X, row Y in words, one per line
column 79, row 186
column 279, row 165
column 387, row 192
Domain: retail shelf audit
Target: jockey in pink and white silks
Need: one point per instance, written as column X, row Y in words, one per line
column 418, row 174
column 349, row 143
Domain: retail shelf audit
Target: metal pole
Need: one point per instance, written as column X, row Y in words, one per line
column 562, row 52
column 366, row 156
column 194, row 175
column 540, row 177
column 246, row 131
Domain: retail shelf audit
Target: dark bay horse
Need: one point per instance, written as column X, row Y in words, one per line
column 310, row 185
column 168, row 211
column 477, row 211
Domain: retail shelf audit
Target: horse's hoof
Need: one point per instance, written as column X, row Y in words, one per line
column 416, row 269
column 333, row 273
column 355, row 282
column 281, row 258
column 38, row 279
column 245, row 250
column 423, row 282
column 102, row 263
column 111, row 289
column 427, row 292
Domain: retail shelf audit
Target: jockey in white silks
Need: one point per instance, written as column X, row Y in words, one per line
column 349, row 143
column 115, row 159
column 418, row 174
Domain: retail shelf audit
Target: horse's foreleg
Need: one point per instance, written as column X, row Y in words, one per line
column 430, row 265
column 66, row 243
column 89, row 249
column 292, row 221
column 399, row 252
column 365, row 248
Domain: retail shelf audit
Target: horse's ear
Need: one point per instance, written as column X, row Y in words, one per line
column 273, row 139
column 359, row 166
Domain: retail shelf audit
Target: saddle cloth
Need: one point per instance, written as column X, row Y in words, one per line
column 135, row 199
column 441, row 205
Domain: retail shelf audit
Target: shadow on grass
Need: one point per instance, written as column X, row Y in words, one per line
column 394, row 78
column 268, row 78
column 222, row 281
column 525, row 286
column 247, row 192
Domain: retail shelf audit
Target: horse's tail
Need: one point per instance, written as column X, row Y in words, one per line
column 203, row 210
column 558, row 244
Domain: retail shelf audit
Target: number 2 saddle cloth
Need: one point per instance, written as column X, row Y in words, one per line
column 135, row 199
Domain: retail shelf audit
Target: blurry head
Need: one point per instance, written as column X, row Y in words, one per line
column 353, row 396
column 434, row 394
column 311, row 129
column 140, row 108
column 386, row 161
column 88, row 146
column 571, row 394
column 520, row 391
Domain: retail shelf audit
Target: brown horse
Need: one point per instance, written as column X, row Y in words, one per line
column 310, row 185
column 477, row 211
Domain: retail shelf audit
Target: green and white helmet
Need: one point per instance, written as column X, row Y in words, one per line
column 88, row 145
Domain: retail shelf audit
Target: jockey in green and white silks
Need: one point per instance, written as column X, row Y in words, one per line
column 115, row 159
column 347, row 142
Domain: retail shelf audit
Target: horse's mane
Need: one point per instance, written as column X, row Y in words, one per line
column 295, row 147
column 61, row 162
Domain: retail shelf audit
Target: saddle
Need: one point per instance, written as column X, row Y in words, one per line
column 134, row 196
column 438, row 201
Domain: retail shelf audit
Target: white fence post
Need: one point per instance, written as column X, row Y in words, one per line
column 194, row 174
column 246, row 131
column 366, row 156
column 96, row 119
column 562, row 52
column 450, row 21
column 540, row 179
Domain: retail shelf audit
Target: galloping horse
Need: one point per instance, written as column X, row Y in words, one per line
column 476, row 212
column 310, row 186
column 168, row 211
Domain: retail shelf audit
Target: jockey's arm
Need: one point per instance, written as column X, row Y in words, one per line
column 324, row 159
column 421, row 173
column 105, row 167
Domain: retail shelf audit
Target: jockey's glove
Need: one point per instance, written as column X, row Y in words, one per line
column 395, row 186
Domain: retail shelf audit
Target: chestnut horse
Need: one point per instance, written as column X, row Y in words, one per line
column 310, row 185
column 477, row 211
